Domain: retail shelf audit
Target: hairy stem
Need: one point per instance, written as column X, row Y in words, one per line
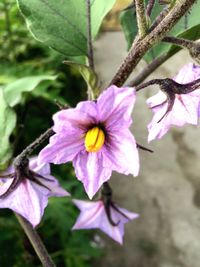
column 36, row 242
column 159, row 18
column 136, row 54
column 148, row 70
column 178, row 41
column 151, row 82
column 150, row 7
column 141, row 17
column 29, row 149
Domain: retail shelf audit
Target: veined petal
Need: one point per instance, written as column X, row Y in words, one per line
column 90, row 108
column 75, row 119
column 117, row 232
column 93, row 215
column 61, row 149
column 121, row 151
column 115, row 106
column 29, row 199
column 188, row 73
column 53, row 186
column 185, row 110
column 42, row 169
column 157, row 101
column 92, row 218
column 92, row 170
column 187, row 106
column 158, row 129
column 26, row 202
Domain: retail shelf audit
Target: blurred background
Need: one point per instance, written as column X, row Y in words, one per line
column 166, row 194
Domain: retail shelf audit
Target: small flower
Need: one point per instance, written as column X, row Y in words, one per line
column 175, row 109
column 95, row 136
column 29, row 196
column 94, row 215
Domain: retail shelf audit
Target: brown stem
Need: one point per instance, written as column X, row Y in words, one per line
column 36, row 242
column 135, row 55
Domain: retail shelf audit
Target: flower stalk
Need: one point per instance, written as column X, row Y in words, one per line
column 29, row 149
column 193, row 47
column 148, row 70
column 36, row 242
column 150, row 7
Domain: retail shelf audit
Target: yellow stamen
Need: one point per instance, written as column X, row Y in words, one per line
column 94, row 139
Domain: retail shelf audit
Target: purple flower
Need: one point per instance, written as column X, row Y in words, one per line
column 185, row 108
column 29, row 199
column 93, row 215
column 95, row 136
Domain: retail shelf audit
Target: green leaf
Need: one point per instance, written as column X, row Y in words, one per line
column 7, row 125
column 88, row 75
column 62, row 25
column 13, row 92
column 188, row 27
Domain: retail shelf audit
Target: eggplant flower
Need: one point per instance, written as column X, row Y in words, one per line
column 30, row 195
column 183, row 108
column 93, row 215
column 96, row 138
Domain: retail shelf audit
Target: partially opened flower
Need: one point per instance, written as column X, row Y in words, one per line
column 175, row 109
column 94, row 215
column 29, row 197
column 95, row 136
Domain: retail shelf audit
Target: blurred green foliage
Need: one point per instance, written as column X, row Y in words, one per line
column 21, row 56
column 188, row 27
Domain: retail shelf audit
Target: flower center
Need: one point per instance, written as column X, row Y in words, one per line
column 94, row 139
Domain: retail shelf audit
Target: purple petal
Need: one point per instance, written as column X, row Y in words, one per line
column 30, row 199
column 185, row 110
column 55, row 190
column 27, row 202
column 188, row 73
column 122, row 153
column 91, row 217
column 75, row 119
column 157, row 130
column 90, row 108
column 115, row 106
column 187, row 106
column 157, row 101
column 42, row 169
column 117, row 232
column 61, row 149
column 92, row 170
